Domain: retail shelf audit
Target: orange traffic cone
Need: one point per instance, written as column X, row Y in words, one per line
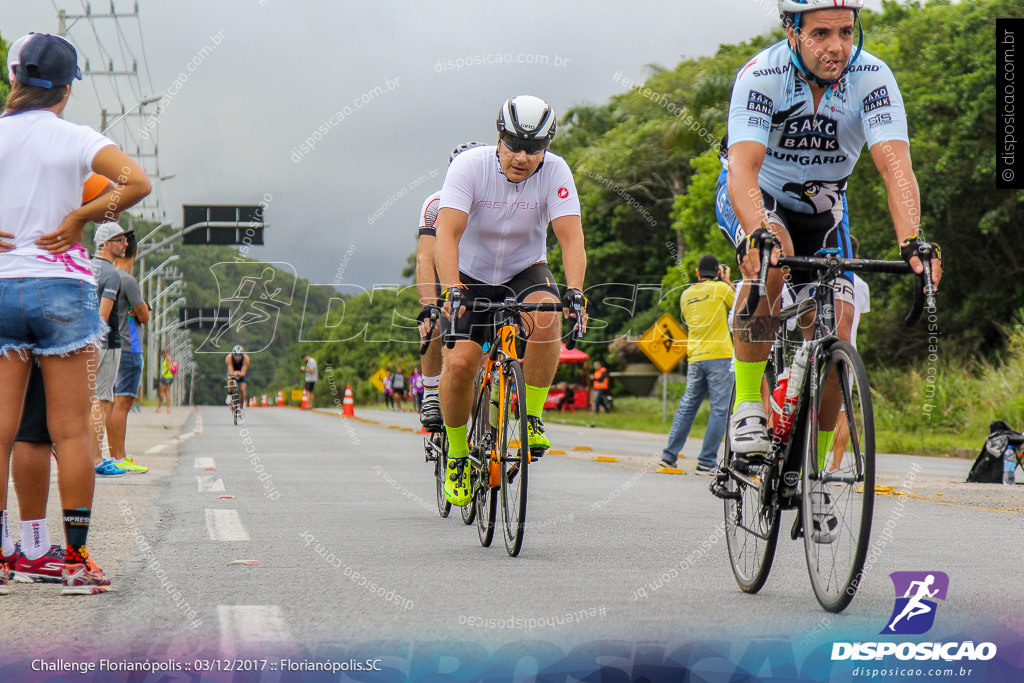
column 348, row 405
column 263, row 401
column 280, row 398
column 305, row 400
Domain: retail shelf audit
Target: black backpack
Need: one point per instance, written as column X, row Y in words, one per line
column 988, row 467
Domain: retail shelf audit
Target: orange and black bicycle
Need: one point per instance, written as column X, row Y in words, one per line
column 499, row 453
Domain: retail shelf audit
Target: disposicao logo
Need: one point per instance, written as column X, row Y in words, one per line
column 913, row 614
column 916, row 595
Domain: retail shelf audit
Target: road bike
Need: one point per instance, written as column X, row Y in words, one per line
column 435, row 442
column 234, row 399
column 499, row 453
column 833, row 494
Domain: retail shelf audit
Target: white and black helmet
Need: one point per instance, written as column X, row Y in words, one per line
column 788, row 9
column 462, row 148
column 527, row 117
column 238, row 350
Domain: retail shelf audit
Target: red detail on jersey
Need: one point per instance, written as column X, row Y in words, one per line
column 563, row 192
column 751, row 63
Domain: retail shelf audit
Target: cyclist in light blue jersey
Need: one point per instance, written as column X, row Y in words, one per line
column 801, row 112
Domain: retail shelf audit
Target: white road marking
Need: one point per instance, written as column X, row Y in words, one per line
column 160, row 447
column 209, row 483
column 244, row 627
column 225, row 525
column 203, row 463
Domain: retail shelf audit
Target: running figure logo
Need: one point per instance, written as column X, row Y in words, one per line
column 257, row 295
column 916, row 592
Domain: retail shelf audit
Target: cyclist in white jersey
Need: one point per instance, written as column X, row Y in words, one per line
column 495, row 207
column 800, row 114
column 428, row 286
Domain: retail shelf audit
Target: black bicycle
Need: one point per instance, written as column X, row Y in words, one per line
column 499, row 453
column 833, row 493
column 234, row 399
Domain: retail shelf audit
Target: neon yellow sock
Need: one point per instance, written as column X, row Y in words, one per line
column 748, row 381
column 535, row 397
column 825, row 441
column 457, row 446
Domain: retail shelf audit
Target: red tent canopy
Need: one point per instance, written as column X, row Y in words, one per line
column 574, row 356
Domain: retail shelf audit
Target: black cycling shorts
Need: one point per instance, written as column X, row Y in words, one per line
column 33, row 427
column 477, row 324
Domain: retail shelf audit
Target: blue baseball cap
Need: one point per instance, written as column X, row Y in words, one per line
column 45, row 61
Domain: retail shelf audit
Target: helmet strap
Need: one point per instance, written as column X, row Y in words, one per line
column 799, row 62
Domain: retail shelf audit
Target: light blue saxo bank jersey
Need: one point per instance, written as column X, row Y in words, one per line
column 811, row 154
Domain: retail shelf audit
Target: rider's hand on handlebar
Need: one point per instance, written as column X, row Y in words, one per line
column 908, row 252
column 748, row 252
column 570, row 300
column 456, row 293
column 428, row 318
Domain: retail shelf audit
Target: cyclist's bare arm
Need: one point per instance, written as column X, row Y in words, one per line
column 569, row 232
column 745, row 159
column 450, row 225
column 425, row 286
column 245, row 366
column 892, row 159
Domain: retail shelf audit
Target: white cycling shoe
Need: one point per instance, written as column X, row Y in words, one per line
column 748, row 429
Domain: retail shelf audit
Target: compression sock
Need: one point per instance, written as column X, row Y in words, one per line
column 825, row 441
column 535, row 397
column 35, row 538
column 76, row 531
column 748, row 381
column 5, row 534
column 457, row 446
column 430, row 385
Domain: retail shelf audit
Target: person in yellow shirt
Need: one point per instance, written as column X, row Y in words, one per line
column 705, row 310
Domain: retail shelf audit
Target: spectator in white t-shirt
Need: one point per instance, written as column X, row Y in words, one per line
column 48, row 302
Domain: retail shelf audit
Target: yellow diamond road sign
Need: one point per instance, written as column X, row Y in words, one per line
column 664, row 343
column 378, row 379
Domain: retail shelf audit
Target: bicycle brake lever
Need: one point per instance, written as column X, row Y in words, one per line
column 755, row 293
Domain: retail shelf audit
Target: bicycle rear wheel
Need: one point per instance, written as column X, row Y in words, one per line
column 514, row 456
column 481, row 441
column 838, row 493
column 751, row 517
column 438, row 444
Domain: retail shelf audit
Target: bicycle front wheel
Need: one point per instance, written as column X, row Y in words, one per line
column 439, row 447
column 481, row 442
column 514, row 456
column 751, row 519
column 837, row 498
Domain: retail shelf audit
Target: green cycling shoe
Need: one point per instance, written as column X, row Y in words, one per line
column 456, row 482
column 535, row 433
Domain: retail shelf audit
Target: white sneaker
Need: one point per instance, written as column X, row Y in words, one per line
column 227, row 400
column 748, row 429
column 824, row 524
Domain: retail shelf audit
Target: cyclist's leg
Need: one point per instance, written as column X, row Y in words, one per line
column 243, row 384
column 536, row 285
column 752, row 338
column 430, row 408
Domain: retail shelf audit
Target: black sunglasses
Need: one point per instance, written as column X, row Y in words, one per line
column 516, row 145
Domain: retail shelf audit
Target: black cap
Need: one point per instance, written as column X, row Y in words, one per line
column 47, row 61
column 707, row 266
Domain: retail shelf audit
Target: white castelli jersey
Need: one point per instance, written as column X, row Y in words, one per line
column 810, row 154
column 508, row 222
column 428, row 214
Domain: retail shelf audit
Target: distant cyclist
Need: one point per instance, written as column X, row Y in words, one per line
column 495, row 207
column 800, row 114
column 238, row 369
column 429, row 288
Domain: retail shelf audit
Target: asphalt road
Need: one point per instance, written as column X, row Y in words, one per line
column 299, row 532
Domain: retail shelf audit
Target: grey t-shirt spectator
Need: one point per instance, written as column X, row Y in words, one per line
column 108, row 286
column 311, row 371
column 129, row 298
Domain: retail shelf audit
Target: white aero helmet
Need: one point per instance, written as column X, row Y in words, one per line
column 528, row 118
column 462, row 148
column 789, row 8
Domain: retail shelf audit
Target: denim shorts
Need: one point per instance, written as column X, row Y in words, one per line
column 48, row 316
column 129, row 374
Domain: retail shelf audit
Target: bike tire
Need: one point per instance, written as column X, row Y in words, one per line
column 751, row 529
column 439, row 445
column 481, row 507
column 837, row 494
column 514, row 457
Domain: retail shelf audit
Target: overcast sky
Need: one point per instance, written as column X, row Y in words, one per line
column 273, row 72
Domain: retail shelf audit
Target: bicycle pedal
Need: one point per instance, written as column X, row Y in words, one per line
column 537, row 454
column 717, row 488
